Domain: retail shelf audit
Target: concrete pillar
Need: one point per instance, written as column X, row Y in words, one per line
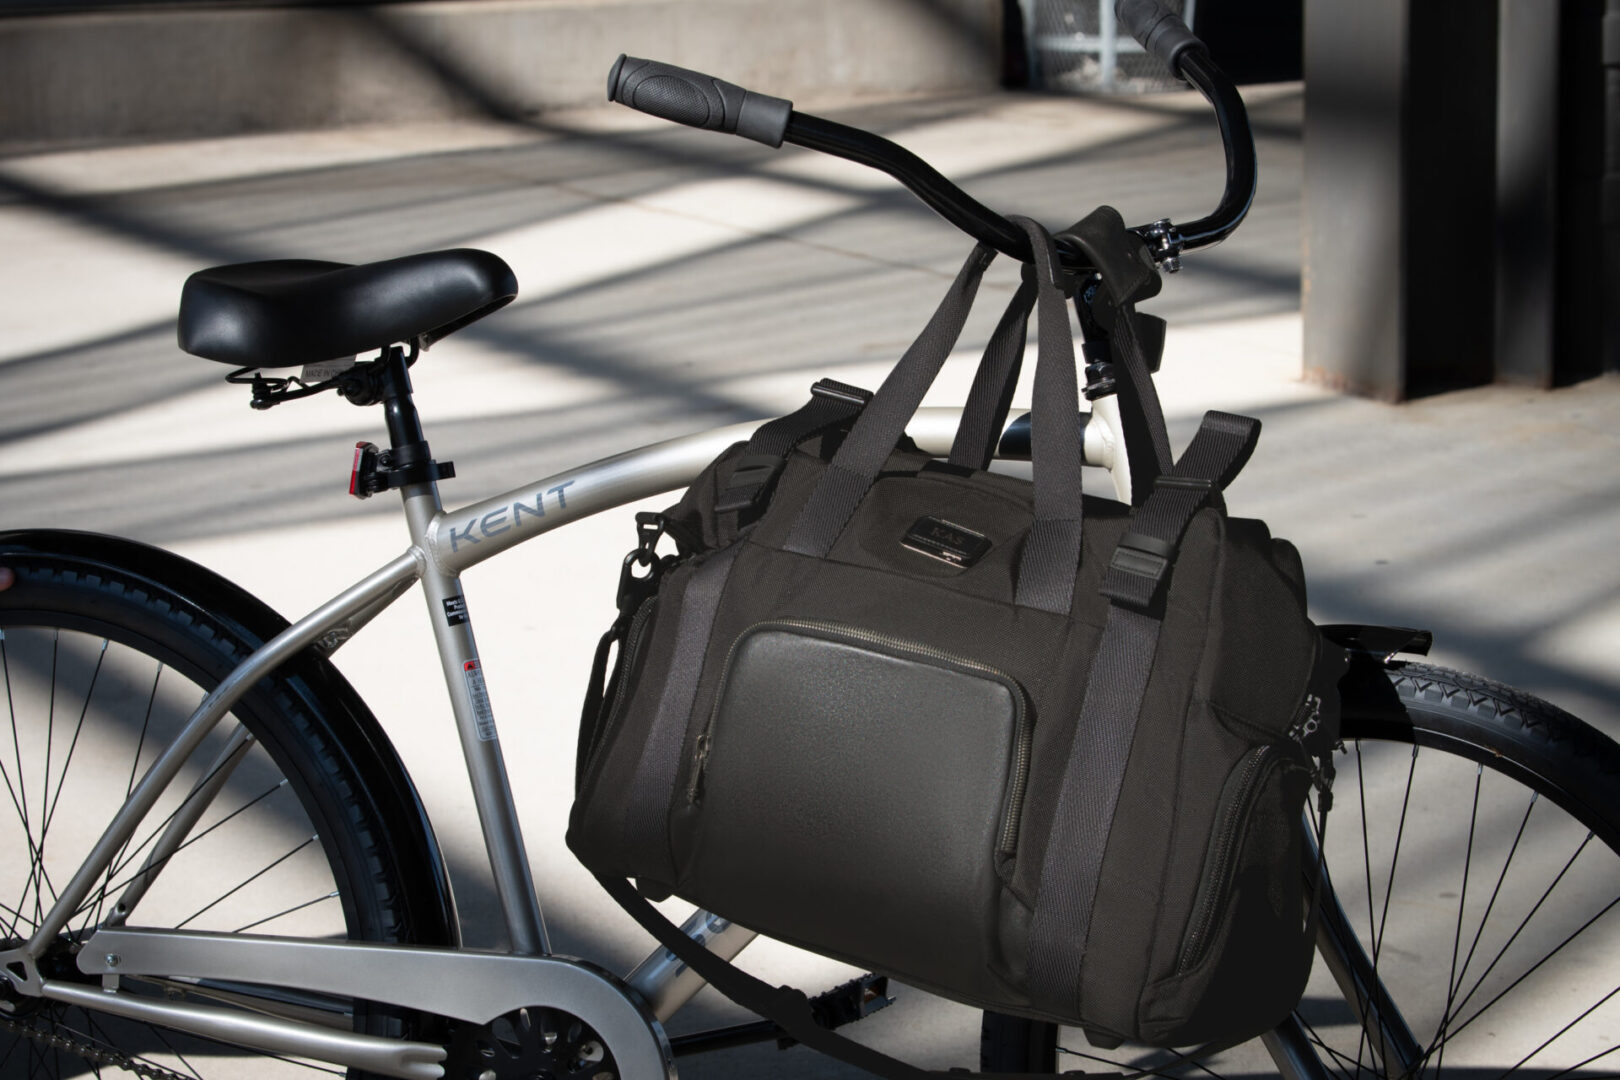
column 1399, row 190
column 1527, row 156
column 1611, row 187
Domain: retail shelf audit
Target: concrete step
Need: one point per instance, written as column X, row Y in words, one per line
column 179, row 73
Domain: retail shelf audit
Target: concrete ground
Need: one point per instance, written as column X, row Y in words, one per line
column 673, row 281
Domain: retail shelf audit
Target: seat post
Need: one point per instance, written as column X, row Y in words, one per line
column 399, row 411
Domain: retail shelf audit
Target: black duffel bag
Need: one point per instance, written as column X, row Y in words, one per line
column 1042, row 754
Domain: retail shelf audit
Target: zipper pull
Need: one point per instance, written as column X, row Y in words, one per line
column 700, row 760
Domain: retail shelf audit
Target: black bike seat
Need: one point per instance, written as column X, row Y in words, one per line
column 289, row 312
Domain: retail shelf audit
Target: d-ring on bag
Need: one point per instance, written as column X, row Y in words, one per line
column 1042, row 754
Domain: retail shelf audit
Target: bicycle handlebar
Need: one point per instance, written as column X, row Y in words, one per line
column 702, row 101
column 699, row 100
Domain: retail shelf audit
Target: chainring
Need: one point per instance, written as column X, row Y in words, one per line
column 530, row 1044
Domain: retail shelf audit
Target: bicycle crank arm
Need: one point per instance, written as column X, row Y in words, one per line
column 473, row 986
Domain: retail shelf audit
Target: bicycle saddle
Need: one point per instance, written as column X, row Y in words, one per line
column 289, row 312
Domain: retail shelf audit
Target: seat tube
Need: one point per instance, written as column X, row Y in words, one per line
column 464, row 679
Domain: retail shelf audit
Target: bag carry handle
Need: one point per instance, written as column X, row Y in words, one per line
column 1051, row 555
column 985, row 414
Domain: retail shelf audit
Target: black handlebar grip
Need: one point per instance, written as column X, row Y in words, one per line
column 1160, row 30
column 691, row 97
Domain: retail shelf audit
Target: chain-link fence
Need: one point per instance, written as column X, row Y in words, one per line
column 1074, row 45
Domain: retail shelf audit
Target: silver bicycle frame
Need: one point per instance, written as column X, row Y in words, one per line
column 466, row 984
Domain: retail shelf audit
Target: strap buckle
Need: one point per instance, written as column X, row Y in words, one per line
column 1137, row 570
column 751, row 476
column 832, row 388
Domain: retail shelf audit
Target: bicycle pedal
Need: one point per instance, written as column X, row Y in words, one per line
column 855, row 1000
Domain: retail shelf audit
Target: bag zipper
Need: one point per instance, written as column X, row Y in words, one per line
column 1021, row 748
column 1223, row 846
column 633, row 636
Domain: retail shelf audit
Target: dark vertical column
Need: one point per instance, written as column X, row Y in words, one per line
column 1527, row 139
column 1399, row 186
column 1584, row 301
column 1352, row 291
column 1450, row 180
column 1611, row 188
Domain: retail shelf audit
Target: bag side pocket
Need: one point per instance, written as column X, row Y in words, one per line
column 1249, row 929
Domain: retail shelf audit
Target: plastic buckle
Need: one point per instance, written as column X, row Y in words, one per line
column 832, row 388
column 649, row 527
column 633, row 587
column 1137, row 570
column 751, row 475
column 1208, row 490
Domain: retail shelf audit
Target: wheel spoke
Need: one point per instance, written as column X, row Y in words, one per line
column 156, row 866
column 1496, row 892
column 1366, row 863
column 244, row 884
column 1339, row 1057
column 129, row 789
column 78, row 729
column 1531, row 970
column 333, row 895
column 1456, row 934
column 1520, row 929
column 1381, row 1005
column 178, row 1056
column 1552, row 1038
column 1583, row 1064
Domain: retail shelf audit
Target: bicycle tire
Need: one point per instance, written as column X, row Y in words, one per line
column 305, row 818
column 1549, row 1016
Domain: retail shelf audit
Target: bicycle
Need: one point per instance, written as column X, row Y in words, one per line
column 114, row 644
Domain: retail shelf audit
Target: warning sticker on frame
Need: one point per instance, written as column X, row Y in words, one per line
column 476, row 692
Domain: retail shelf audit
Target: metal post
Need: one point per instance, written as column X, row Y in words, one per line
column 1527, row 180
column 1109, row 48
column 1611, row 184
column 1399, row 177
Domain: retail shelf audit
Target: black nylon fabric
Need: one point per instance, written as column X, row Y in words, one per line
column 990, row 398
column 1046, row 848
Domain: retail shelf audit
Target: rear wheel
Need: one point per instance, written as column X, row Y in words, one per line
column 99, row 668
column 1474, row 853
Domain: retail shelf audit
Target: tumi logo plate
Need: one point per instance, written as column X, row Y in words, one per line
column 939, row 539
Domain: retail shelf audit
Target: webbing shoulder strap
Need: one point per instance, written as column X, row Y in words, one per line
column 1115, row 686
column 784, row 1006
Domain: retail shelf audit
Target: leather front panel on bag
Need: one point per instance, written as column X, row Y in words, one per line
column 856, row 789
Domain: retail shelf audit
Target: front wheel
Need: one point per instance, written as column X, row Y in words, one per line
column 1473, row 853
column 279, row 824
